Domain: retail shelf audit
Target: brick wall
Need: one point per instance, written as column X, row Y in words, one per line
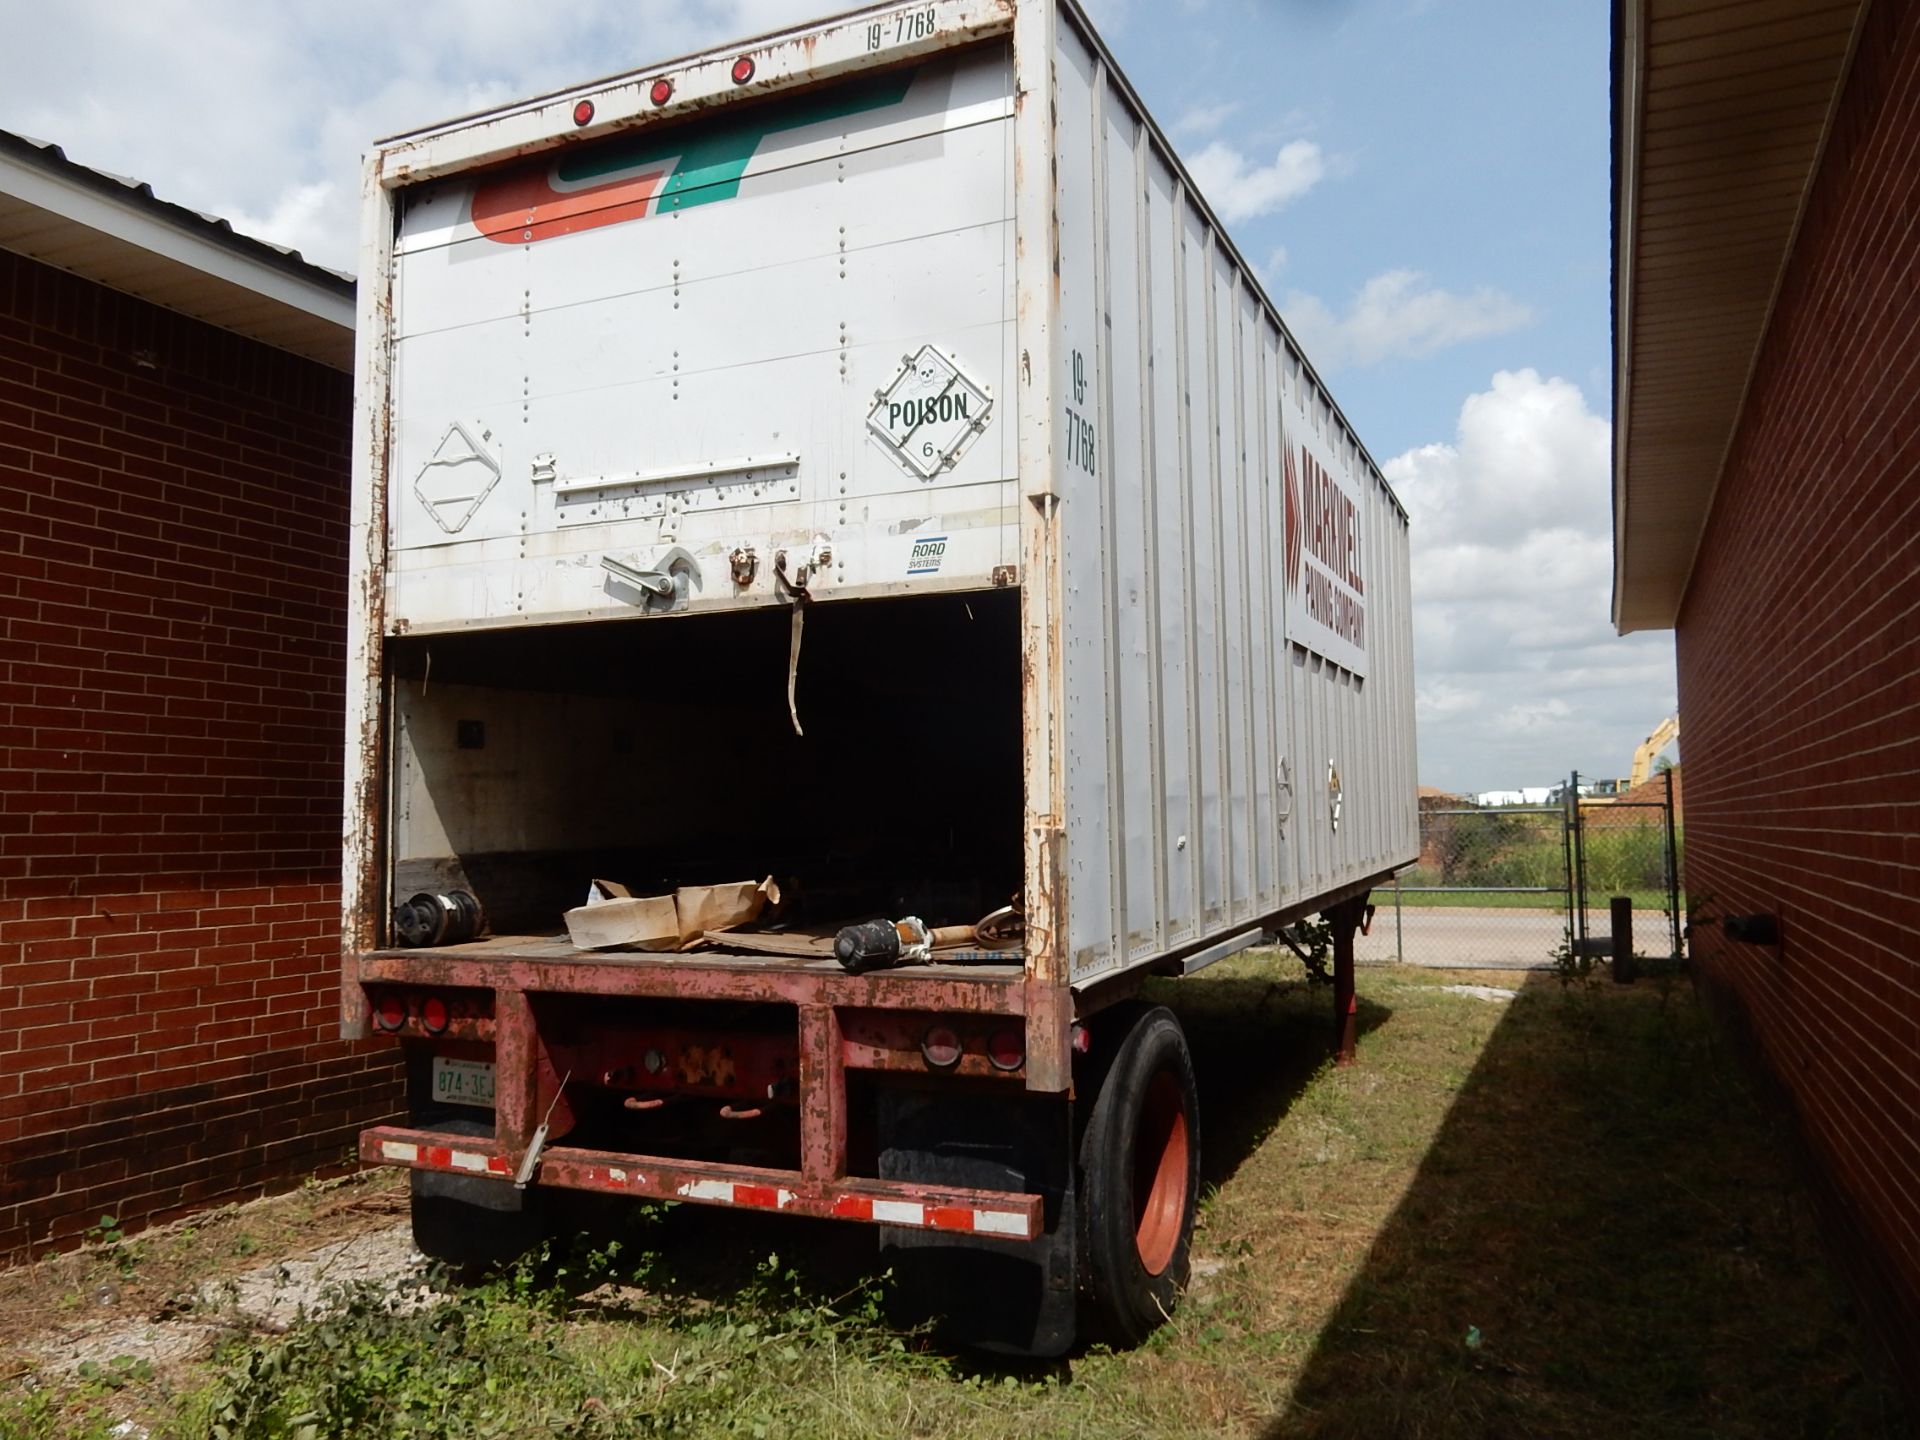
column 1799, row 659
column 173, row 505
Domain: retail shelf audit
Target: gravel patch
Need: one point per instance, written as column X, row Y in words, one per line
column 268, row 1298
column 1480, row 992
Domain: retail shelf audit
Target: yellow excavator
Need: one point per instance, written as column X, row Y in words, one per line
column 1664, row 734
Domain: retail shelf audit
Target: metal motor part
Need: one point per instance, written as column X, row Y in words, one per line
column 876, row 944
column 447, row 917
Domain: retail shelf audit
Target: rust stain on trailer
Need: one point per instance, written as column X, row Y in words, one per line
column 362, row 851
column 1010, row 1215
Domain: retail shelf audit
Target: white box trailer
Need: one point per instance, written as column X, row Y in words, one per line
column 857, row 455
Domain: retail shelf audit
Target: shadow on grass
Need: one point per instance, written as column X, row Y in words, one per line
column 1604, row 1239
column 1256, row 1043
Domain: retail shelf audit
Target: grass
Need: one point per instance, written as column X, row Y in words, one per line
column 1557, row 1216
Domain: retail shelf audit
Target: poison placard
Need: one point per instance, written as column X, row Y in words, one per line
column 930, row 413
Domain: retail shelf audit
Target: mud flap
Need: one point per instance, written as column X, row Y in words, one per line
column 1008, row 1296
column 427, row 1114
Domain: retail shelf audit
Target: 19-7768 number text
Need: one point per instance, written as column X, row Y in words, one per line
column 907, row 25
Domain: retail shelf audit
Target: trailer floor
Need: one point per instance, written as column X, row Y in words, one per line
column 557, row 948
column 551, row 964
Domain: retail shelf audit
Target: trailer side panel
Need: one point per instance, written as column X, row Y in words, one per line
column 1236, row 666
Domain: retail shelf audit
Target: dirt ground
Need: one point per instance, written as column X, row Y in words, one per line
column 167, row 1296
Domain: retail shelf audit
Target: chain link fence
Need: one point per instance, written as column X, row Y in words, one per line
column 1513, row 886
column 1629, row 846
column 1491, row 891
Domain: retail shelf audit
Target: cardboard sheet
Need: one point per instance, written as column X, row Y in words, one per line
column 615, row 919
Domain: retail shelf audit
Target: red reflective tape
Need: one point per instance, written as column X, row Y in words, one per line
column 765, row 1196
column 853, row 1207
column 498, row 1164
column 437, row 1155
column 949, row 1217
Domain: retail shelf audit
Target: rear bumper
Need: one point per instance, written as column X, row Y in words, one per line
column 879, row 1202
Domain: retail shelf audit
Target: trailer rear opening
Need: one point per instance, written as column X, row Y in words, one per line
column 664, row 754
column 851, row 573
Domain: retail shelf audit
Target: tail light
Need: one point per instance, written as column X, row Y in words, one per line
column 1006, row 1049
column 390, row 1013
column 433, row 1014
column 941, row 1047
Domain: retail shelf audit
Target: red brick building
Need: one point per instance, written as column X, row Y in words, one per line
column 1767, row 509
column 174, row 411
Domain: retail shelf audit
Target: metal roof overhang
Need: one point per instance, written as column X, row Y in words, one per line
column 118, row 234
column 1720, row 112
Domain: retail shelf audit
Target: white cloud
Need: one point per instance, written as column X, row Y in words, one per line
column 1521, row 677
column 1397, row 315
column 302, row 216
column 260, row 112
column 1239, row 189
column 1204, row 119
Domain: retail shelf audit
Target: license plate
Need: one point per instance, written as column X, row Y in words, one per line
column 463, row 1082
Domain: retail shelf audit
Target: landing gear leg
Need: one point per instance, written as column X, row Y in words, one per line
column 1345, row 919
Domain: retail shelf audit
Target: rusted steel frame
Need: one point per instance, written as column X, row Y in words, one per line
column 804, row 55
column 1345, row 918
column 469, row 1014
column 891, row 1040
column 676, row 978
column 516, row 1095
column 650, row 1177
column 363, row 874
column 1036, row 276
column 759, row 1066
column 823, row 1095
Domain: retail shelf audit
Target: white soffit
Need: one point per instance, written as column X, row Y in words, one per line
column 1721, row 112
column 116, row 232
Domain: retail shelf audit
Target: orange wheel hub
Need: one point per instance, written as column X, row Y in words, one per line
column 1160, row 1161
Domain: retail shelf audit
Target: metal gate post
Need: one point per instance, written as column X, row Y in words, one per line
column 1579, row 877
column 1566, row 855
column 1673, row 876
column 1620, row 910
column 1399, row 940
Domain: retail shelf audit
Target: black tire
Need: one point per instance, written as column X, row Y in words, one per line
column 466, row 1234
column 1139, row 1181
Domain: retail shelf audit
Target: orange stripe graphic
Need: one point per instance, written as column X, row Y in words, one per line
column 522, row 207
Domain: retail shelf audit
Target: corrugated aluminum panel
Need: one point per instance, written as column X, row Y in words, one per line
column 1236, row 656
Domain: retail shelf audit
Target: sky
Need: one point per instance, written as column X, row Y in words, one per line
column 1421, row 183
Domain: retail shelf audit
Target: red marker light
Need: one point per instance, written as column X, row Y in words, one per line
column 742, row 70
column 583, row 112
column 941, row 1047
column 433, row 1014
column 1006, row 1049
column 392, row 1013
column 661, row 92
